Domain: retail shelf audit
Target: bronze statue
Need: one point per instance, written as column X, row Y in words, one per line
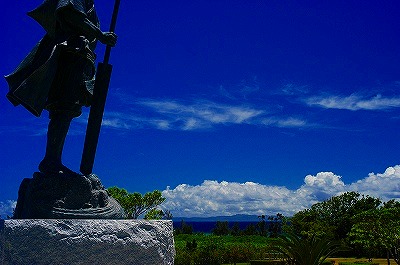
column 58, row 75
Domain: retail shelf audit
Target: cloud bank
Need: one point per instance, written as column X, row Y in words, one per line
column 213, row 198
column 7, row 207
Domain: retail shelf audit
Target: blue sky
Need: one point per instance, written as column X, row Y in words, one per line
column 221, row 104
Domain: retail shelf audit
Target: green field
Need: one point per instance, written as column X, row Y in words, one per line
column 240, row 249
column 337, row 260
column 380, row 261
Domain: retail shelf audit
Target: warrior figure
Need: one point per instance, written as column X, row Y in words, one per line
column 58, row 74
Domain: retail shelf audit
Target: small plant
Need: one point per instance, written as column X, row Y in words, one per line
column 304, row 251
column 191, row 246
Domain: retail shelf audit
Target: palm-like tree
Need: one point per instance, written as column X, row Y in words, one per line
column 299, row 251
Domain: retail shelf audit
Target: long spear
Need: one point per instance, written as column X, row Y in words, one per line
column 102, row 82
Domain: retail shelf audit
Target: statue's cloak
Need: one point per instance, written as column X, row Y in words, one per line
column 30, row 83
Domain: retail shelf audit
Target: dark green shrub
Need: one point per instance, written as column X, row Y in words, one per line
column 238, row 252
column 200, row 249
column 183, row 257
column 267, row 262
column 304, row 251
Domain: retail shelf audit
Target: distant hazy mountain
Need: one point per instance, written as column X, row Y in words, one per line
column 233, row 218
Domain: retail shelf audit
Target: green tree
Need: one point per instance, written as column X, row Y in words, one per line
column 235, row 231
column 262, row 225
column 304, row 251
column 184, row 229
column 332, row 218
column 379, row 228
column 275, row 224
column 154, row 214
column 250, row 230
column 134, row 204
column 391, row 204
column 308, row 222
column 221, row 228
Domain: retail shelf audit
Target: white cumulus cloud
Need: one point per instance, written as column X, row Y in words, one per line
column 7, row 207
column 323, row 185
column 385, row 185
column 213, row 198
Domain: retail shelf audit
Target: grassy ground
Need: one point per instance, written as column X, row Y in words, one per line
column 238, row 264
column 337, row 260
column 380, row 261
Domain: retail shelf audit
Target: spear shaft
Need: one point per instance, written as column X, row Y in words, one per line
column 102, row 82
column 112, row 29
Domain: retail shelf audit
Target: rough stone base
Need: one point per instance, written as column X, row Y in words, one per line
column 65, row 196
column 137, row 242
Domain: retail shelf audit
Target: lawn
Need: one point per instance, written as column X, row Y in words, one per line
column 235, row 246
column 337, row 260
column 380, row 261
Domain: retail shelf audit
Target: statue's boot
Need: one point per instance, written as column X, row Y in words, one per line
column 56, row 134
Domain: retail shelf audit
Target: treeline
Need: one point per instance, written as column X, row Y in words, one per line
column 270, row 226
column 364, row 225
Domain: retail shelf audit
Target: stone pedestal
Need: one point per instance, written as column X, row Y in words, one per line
column 51, row 241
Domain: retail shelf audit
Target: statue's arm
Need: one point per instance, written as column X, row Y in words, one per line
column 79, row 23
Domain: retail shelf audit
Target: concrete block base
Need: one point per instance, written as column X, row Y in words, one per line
column 75, row 241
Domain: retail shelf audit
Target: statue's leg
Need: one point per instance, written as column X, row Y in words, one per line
column 56, row 134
